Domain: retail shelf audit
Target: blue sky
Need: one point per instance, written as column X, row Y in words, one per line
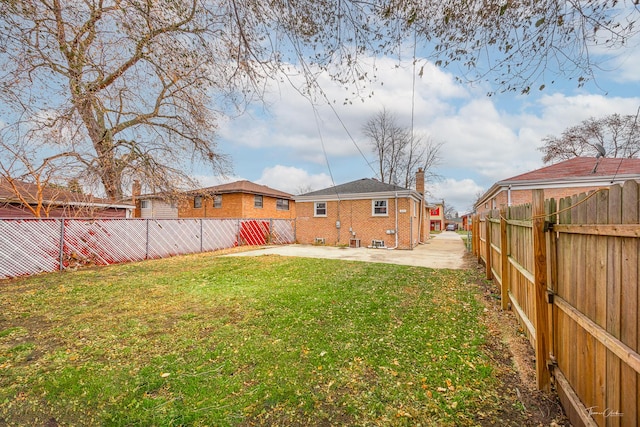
column 290, row 145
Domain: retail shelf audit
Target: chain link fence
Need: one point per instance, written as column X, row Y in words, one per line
column 32, row 246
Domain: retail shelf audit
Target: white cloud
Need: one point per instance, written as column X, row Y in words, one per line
column 457, row 193
column 293, row 180
column 486, row 139
column 296, row 124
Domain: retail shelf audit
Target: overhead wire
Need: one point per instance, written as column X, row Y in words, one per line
column 313, row 83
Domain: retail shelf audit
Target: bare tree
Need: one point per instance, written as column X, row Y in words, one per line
column 450, row 212
column 134, row 88
column 125, row 85
column 524, row 45
column 618, row 135
column 34, row 186
column 302, row 189
column 398, row 154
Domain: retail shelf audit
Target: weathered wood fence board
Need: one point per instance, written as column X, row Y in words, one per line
column 588, row 279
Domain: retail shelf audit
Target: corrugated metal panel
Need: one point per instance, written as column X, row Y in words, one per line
column 31, row 246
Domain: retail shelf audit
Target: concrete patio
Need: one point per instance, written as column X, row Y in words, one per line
column 444, row 250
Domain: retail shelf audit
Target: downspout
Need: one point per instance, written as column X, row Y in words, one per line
column 423, row 206
column 396, row 230
column 509, row 195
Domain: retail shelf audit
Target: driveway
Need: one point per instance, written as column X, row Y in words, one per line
column 445, row 250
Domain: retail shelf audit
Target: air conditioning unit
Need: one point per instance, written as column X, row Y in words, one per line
column 377, row 244
column 319, row 241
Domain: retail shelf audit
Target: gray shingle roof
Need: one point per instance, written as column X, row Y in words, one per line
column 364, row 185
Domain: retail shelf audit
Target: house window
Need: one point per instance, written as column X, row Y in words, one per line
column 379, row 207
column 320, row 209
column 282, row 204
column 217, row 201
column 197, row 202
column 257, row 201
column 145, row 204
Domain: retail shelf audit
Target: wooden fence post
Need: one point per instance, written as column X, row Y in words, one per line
column 487, row 226
column 543, row 377
column 476, row 236
column 504, row 258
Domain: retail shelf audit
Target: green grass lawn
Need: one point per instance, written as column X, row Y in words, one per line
column 207, row 340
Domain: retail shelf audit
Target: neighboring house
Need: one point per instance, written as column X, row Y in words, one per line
column 155, row 206
column 365, row 212
column 466, row 222
column 240, row 199
column 20, row 199
column 436, row 220
column 567, row 178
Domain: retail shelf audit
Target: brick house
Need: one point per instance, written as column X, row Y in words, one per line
column 19, row 199
column 240, row 199
column 365, row 212
column 436, row 217
column 566, row 178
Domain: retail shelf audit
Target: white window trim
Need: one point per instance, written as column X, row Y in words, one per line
column 373, row 207
column 315, row 209
column 255, row 204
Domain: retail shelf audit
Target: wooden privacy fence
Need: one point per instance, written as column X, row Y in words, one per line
column 569, row 271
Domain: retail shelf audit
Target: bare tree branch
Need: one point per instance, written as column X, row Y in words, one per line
column 618, row 135
column 399, row 154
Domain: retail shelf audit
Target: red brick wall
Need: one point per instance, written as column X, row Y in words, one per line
column 236, row 205
column 356, row 217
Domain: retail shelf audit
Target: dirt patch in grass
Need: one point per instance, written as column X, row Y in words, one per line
column 514, row 360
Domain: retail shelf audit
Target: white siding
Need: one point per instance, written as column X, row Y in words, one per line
column 160, row 209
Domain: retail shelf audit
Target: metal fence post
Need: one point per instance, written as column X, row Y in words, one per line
column 271, row 236
column 146, row 250
column 201, row 235
column 61, row 244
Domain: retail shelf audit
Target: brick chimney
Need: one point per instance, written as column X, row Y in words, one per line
column 420, row 181
column 136, row 190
